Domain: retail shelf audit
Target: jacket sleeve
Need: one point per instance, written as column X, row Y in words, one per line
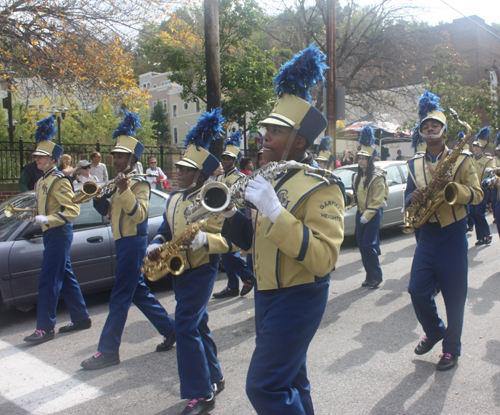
column 164, row 233
column 240, row 232
column 102, row 205
column 63, row 193
column 314, row 240
column 467, row 183
column 135, row 201
column 376, row 197
column 217, row 244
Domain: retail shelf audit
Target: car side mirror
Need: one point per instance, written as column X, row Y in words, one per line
column 32, row 231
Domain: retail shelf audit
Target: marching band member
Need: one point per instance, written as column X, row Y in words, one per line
column 325, row 158
column 470, row 211
column 441, row 253
column 128, row 210
column 370, row 189
column 236, row 268
column 296, row 236
column 199, row 369
column 481, row 162
column 56, row 211
column 494, row 191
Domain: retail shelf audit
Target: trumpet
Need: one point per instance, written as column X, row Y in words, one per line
column 491, row 181
column 92, row 189
column 20, row 213
column 350, row 200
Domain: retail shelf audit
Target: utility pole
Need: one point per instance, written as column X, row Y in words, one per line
column 212, row 55
column 331, row 77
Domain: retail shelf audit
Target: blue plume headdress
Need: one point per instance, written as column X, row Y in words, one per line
column 460, row 135
column 484, row 134
column 325, row 144
column 209, row 127
column 416, row 138
column 366, row 137
column 129, row 125
column 300, row 73
column 233, row 140
column 497, row 140
column 46, row 129
column 427, row 103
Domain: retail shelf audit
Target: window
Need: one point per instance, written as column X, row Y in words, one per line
column 154, row 86
column 174, row 110
column 175, row 134
column 154, row 103
column 394, row 174
column 404, row 168
column 165, row 104
column 144, row 86
column 149, row 85
column 156, row 205
column 88, row 217
column 186, row 106
column 197, row 106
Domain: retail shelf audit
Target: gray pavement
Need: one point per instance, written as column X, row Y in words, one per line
column 360, row 362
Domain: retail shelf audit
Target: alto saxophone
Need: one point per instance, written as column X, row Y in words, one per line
column 169, row 260
column 417, row 215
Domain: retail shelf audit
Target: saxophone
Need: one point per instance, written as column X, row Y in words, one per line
column 417, row 215
column 170, row 261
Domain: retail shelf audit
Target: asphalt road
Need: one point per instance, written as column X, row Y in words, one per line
column 360, row 362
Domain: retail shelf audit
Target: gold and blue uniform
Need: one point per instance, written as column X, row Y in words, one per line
column 128, row 211
column 54, row 192
column 441, row 253
column 479, row 211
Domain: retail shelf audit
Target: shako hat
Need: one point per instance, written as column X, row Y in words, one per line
column 294, row 108
column 198, row 140
column 232, row 145
column 417, row 142
column 429, row 109
column 366, row 142
column 324, row 150
column 43, row 137
column 125, row 143
column 482, row 137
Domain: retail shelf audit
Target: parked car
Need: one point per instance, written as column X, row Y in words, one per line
column 92, row 253
column 397, row 173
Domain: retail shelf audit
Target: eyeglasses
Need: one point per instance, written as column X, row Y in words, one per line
column 152, row 162
column 184, row 169
column 86, row 167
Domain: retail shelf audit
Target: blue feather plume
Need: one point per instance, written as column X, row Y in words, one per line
column 416, row 138
column 129, row 125
column 460, row 135
column 366, row 137
column 497, row 140
column 325, row 144
column 233, row 140
column 484, row 134
column 427, row 103
column 46, row 129
column 208, row 128
column 300, row 73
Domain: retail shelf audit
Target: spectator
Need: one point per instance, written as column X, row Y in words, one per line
column 97, row 168
column 384, row 154
column 30, row 175
column 246, row 166
column 159, row 181
column 83, row 173
column 400, row 156
column 65, row 166
column 348, row 158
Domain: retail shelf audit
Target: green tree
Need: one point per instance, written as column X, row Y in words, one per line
column 161, row 127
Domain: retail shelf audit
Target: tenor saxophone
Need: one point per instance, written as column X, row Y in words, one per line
column 169, row 260
column 417, row 215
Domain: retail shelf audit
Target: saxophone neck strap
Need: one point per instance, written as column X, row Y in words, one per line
column 433, row 171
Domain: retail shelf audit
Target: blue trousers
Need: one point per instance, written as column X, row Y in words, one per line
column 494, row 195
column 441, row 259
column 367, row 236
column 197, row 360
column 470, row 216
column 236, row 268
column 130, row 288
column 497, row 216
column 57, row 279
column 286, row 321
column 482, row 227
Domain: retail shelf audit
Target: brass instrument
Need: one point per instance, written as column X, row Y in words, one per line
column 350, row 200
column 25, row 209
column 491, row 181
column 91, row 189
column 417, row 215
column 170, row 261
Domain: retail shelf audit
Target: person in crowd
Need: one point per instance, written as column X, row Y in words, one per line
column 159, row 179
column 64, row 166
column 481, row 163
column 97, row 168
column 325, row 158
column 260, row 155
column 441, row 253
column 347, row 158
column 200, row 373
column 56, row 211
column 127, row 208
column 236, row 268
column 83, row 173
column 369, row 185
column 296, row 238
column 29, row 176
column 400, row 155
column 246, row 165
column 384, row 153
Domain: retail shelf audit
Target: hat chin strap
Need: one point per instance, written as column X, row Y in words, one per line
column 434, row 135
column 195, row 180
column 291, row 139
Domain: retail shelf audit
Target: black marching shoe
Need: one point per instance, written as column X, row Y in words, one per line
column 168, row 342
column 227, row 292
column 40, row 336
column 247, row 286
column 426, row 345
column 374, row 283
column 470, row 229
column 365, row 283
column 101, row 360
column 447, row 361
column 200, row 406
column 219, row 386
column 81, row 325
column 485, row 241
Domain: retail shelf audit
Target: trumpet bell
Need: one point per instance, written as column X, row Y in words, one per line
column 9, row 211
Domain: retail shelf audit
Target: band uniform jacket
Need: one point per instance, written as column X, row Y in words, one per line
column 54, row 193
column 174, row 223
column 463, row 174
column 230, row 177
column 127, row 210
column 386, row 194
column 371, row 198
column 303, row 245
column 481, row 163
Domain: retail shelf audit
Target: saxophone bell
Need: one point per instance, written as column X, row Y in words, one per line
column 214, row 197
column 176, row 265
column 450, row 193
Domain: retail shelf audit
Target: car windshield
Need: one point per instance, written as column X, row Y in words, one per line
column 10, row 224
column 345, row 175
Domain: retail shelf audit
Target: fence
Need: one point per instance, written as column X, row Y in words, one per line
column 14, row 158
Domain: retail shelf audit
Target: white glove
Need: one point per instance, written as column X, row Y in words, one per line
column 151, row 248
column 261, row 193
column 199, row 240
column 230, row 213
column 384, row 205
column 363, row 220
column 42, row 220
